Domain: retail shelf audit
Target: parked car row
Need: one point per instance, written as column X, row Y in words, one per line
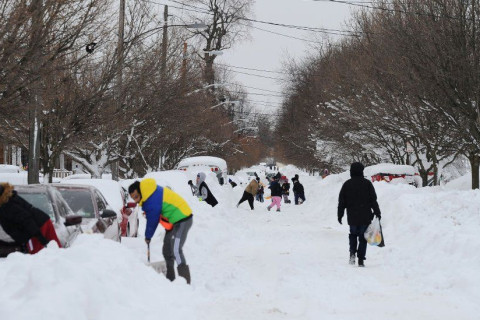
column 82, row 206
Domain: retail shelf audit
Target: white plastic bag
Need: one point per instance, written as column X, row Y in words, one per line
column 373, row 235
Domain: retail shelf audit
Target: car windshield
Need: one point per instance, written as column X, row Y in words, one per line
column 40, row 201
column 80, row 201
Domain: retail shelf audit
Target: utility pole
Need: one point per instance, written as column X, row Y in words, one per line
column 35, row 98
column 163, row 66
column 121, row 32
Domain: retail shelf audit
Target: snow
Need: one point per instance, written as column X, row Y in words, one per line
column 7, row 168
column 203, row 161
column 389, row 168
column 264, row 265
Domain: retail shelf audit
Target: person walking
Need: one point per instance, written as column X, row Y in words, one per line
column 359, row 198
column 202, row 191
column 298, row 191
column 276, row 193
column 165, row 207
column 23, row 225
column 250, row 192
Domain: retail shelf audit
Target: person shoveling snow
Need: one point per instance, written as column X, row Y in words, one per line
column 166, row 207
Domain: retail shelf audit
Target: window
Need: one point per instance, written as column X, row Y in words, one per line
column 100, row 202
column 80, row 201
column 40, row 201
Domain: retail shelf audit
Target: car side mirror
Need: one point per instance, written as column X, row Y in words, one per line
column 131, row 204
column 107, row 213
column 73, row 220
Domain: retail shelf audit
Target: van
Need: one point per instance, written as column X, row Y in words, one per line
column 213, row 164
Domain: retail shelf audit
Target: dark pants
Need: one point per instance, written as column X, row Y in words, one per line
column 249, row 197
column 173, row 242
column 299, row 196
column 358, row 232
column 260, row 197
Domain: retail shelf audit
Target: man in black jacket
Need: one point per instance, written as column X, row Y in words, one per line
column 298, row 191
column 22, row 224
column 359, row 198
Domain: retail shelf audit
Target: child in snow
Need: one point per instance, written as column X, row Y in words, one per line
column 285, row 189
column 298, row 191
column 260, row 193
column 276, row 191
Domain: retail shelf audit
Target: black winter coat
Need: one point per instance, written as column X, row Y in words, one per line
column 286, row 188
column 211, row 200
column 20, row 219
column 359, row 198
column 276, row 189
column 298, row 187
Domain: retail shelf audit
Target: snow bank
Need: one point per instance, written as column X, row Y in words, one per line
column 266, row 265
column 94, row 279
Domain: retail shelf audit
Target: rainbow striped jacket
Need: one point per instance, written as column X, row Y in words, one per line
column 158, row 201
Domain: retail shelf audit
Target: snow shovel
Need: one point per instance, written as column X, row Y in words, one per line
column 160, row 266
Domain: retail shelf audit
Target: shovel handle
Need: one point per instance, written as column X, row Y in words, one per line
column 148, row 252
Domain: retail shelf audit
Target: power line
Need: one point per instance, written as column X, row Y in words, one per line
column 362, row 5
column 251, row 69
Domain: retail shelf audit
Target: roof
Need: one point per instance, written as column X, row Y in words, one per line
column 205, row 160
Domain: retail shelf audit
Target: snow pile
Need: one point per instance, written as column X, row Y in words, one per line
column 94, row 279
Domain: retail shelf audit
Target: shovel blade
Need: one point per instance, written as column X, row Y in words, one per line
column 159, row 267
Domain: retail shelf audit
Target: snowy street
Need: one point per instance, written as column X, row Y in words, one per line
column 268, row 265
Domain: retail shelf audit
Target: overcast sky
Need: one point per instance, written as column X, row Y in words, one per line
column 268, row 51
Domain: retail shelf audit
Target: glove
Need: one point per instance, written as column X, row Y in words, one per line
column 190, row 182
column 379, row 217
column 200, row 199
column 340, row 220
column 147, row 241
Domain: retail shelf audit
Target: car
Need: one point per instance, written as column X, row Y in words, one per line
column 88, row 202
column 393, row 173
column 50, row 201
column 214, row 164
column 7, row 168
column 118, row 199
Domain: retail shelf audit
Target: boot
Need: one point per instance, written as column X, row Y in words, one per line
column 352, row 259
column 360, row 263
column 278, row 210
column 184, row 271
column 170, row 272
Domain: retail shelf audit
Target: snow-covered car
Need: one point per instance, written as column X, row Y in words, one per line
column 50, row 201
column 393, row 173
column 117, row 199
column 88, row 202
column 214, row 164
column 7, row 168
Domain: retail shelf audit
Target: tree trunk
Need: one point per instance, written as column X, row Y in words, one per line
column 474, row 163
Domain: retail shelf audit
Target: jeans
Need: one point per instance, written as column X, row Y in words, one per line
column 358, row 232
column 299, row 196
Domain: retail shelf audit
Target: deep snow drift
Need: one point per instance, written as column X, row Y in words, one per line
column 267, row 265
